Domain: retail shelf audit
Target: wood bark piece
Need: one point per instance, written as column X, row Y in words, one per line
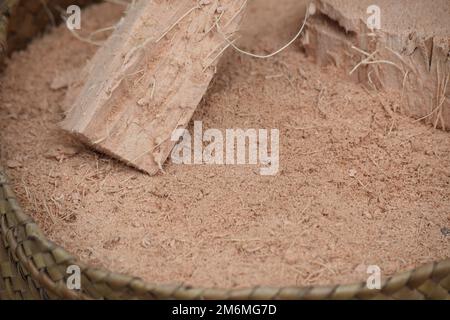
column 148, row 78
column 413, row 45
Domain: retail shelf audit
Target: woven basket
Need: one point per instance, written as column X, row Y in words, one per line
column 32, row 267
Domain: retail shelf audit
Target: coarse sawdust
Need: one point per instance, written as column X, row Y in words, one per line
column 358, row 184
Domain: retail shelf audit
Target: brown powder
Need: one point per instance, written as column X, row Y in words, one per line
column 358, row 185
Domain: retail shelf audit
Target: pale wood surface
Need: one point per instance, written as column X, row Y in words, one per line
column 141, row 85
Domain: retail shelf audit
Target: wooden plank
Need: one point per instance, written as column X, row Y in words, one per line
column 406, row 55
column 150, row 75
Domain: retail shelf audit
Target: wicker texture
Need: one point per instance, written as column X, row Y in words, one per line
column 31, row 17
column 31, row 267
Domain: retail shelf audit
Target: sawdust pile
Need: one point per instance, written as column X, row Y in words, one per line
column 358, row 184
